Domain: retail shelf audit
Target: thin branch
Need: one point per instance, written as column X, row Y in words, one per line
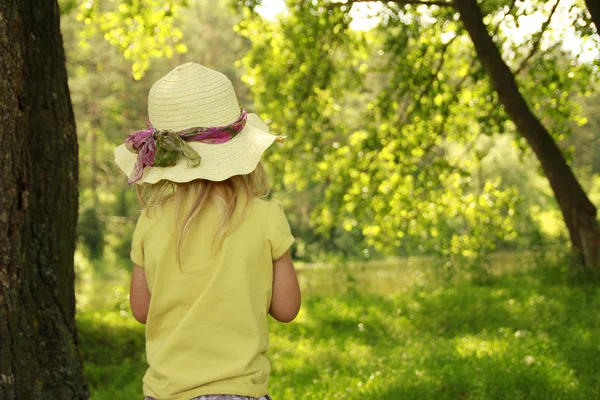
column 512, row 5
column 537, row 39
column 455, row 93
column 420, row 2
column 429, row 84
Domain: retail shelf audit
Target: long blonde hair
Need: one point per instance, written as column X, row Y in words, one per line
column 224, row 193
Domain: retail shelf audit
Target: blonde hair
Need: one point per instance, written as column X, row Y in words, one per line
column 225, row 194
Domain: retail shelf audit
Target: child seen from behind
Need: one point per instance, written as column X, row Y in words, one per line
column 211, row 257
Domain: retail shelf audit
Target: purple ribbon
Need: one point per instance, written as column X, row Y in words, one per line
column 162, row 148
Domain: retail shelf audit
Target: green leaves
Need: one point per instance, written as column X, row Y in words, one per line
column 386, row 127
column 298, row 95
column 141, row 29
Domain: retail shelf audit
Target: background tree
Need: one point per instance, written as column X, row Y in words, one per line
column 578, row 211
column 429, row 93
column 39, row 349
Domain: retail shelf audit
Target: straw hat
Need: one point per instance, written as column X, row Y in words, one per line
column 189, row 96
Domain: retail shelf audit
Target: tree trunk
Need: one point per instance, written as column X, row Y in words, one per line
column 593, row 7
column 578, row 211
column 39, row 347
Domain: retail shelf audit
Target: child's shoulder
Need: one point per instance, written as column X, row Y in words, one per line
column 264, row 206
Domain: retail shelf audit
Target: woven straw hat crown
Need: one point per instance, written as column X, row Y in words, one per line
column 192, row 95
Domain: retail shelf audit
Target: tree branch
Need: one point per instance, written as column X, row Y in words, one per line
column 593, row 7
column 537, row 39
column 429, row 84
column 418, row 2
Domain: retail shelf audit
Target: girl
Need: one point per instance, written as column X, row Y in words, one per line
column 211, row 258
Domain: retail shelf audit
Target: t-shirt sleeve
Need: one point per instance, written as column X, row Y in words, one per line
column 278, row 231
column 137, row 245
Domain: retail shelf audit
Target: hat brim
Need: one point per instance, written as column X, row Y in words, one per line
column 239, row 156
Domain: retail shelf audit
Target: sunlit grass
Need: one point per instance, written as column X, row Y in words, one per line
column 523, row 335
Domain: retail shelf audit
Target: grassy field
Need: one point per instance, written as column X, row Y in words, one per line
column 522, row 335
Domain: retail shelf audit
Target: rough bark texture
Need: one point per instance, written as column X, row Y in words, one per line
column 593, row 7
column 578, row 211
column 39, row 349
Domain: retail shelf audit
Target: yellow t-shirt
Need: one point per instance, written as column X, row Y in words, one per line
column 206, row 331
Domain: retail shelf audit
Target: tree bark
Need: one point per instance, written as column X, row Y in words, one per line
column 593, row 7
column 578, row 211
column 39, row 346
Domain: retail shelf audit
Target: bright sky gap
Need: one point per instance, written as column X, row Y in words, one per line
column 365, row 17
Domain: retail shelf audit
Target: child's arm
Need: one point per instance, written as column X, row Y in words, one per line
column 139, row 295
column 285, row 302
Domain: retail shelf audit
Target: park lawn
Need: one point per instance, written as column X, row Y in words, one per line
column 522, row 335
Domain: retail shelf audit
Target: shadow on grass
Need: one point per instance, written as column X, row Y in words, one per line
column 114, row 357
column 522, row 336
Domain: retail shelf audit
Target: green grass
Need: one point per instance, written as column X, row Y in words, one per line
column 523, row 335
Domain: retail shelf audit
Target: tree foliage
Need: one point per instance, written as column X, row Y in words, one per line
column 397, row 143
column 391, row 123
column 140, row 29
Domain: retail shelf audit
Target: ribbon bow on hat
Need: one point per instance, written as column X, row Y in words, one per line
column 162, row 148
